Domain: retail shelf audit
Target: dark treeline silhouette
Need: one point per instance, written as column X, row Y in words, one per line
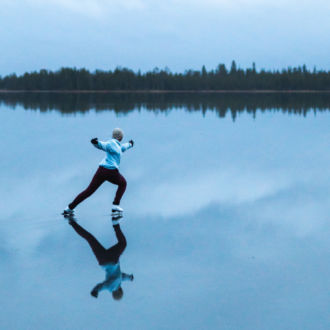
column 123, row 103
column 221, row 78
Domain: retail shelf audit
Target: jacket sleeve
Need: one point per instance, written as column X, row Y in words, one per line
column 99, row 287
column 125, row 146
column 126, row 277
column 105, row 146
column 101, row 145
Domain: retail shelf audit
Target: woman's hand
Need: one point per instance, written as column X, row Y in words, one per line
column 131, row 142
column 94, row 141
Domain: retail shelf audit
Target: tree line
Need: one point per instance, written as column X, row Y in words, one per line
column 123, row 103
column 220, row 78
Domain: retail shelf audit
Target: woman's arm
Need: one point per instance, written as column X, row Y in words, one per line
column 126, row 277
column 99, row 144
column 97, row 289
column 126, row 146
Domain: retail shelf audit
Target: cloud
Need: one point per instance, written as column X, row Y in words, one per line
column 179, row 197
column 101, row 8
column 94, row 8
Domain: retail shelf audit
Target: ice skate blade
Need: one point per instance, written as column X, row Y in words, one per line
column 68, row 215
column 116, row 217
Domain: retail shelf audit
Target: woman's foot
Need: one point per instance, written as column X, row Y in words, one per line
column 116, row 208
column 68, row 211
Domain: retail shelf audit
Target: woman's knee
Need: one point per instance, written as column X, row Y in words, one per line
column 123, row 182
column 124, row 242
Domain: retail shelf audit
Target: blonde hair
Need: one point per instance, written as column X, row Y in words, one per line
column 117, row 134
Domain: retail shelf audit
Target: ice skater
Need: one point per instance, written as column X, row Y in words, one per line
column 108, row 171
column 108, row 259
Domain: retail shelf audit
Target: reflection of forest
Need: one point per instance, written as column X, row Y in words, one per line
column 296, row 103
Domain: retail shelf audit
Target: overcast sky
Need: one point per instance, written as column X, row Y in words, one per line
column 180, row 34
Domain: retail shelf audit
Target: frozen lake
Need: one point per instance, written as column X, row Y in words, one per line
column 226, row 221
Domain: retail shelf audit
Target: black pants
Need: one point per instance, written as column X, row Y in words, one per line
column 102, row 174
column 103, row 256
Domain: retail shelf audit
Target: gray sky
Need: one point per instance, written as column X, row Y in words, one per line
column 181, row 34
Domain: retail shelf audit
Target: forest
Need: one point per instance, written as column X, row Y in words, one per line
column 123, row 103
column 124, row 79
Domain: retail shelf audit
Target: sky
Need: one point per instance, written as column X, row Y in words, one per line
column 178, row 34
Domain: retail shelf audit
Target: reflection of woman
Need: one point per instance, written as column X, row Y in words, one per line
column 108, row 259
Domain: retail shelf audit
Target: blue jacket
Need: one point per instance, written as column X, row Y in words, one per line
column 113, row 278
column 114, row 149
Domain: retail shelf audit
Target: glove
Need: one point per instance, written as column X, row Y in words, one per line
column 94, row 141
column 94, row 293
column 131, row 142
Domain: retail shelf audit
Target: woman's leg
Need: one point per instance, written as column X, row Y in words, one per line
column 120, row 236
column 116, row 178
column 113, row 253
column 98, row 250
column 97, row 180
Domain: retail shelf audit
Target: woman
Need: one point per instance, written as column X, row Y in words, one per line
column 107, row 171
